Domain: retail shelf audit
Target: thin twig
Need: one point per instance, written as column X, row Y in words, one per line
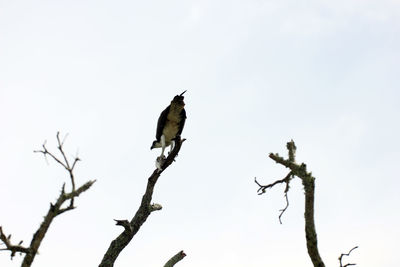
column 54, row 210
column 60, row 147
column 284, row 209
column 10, row 247
column 346, row 254
column 65, row 162
column 45, row 152
column 286, row 180
column 263, row 188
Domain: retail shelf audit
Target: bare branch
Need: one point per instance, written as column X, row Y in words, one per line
column 63, row 162
column 60, row 147
column 45, row 152
column 284, row 209
column 54, row 210
column 346, row 254
column 263, row 188
column 125, row 224
column 155, row 206
column 175, row 259
column 309, row 186
column 80, row 190
column 10, row 247
column 67, row 196
column 65, row 138
column 74, row 163
column 143, row 212
column 286, row 180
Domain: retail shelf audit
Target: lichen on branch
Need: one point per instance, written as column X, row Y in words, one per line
column 308, row 182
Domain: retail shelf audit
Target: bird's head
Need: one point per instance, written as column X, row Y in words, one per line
column 178, row 100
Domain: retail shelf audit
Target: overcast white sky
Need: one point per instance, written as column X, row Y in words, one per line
column 258, row 73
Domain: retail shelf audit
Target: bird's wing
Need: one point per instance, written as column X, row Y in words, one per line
column 183, row 120
column 161, row 123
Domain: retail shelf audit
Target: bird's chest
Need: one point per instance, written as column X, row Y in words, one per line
column 172, row 126
column 170, row 130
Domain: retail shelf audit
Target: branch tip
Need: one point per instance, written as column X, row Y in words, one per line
column 175, row 259
column 10, row 247
column 155, row 206
column 125, row 224
column 346, row 254
column 55, row 208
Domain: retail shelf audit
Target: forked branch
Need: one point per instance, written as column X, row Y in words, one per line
column 346, row 254
column 262, row 189
column 309, row 186
column 54, row 210
column 10, row 247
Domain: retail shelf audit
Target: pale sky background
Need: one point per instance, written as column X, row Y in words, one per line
column 258, row 73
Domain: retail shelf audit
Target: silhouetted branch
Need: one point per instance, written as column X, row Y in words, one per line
column 346, row 254
column 263, row 188
column 143, row 212
column 64, row 162
column 125, row 224
column 286, row 180
column 155, row 207
column 10, row 247
column 309, row 187
column 284, row 209
column 175, row 259
column 54, row 209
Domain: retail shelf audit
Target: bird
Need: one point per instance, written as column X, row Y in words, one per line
column 169, row 126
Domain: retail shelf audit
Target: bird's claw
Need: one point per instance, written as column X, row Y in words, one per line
column 160, row 162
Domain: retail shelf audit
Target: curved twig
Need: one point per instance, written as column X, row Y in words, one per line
column 346, row 254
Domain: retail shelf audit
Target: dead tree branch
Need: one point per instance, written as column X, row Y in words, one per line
column 309, row 186
column 10, row 247
column 54, row 210
column 175, row 259
column 286, row 180
column 143, row 212
column 346, row 254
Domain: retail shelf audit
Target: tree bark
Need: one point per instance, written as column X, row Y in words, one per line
column 309, row 188
column 145, row 208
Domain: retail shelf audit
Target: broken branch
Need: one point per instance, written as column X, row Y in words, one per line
column 175, row 259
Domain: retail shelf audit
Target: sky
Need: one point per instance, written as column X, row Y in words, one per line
column 257, row 74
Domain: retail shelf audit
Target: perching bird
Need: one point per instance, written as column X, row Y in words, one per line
column 170, row 124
